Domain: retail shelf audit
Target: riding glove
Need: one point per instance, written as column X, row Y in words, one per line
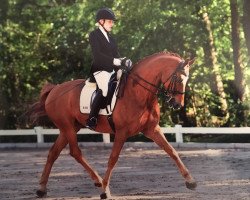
column 127, row 64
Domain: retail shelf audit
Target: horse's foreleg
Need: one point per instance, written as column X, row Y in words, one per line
column 158, row 137
column 116, row 149
column 76, row 153
column 54, row 152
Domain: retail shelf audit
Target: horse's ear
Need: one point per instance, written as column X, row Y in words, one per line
column 190, row 61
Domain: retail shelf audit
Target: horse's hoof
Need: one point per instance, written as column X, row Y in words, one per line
column 98, row 184
column 191, row 185
column 104, row 196
column 40, row 193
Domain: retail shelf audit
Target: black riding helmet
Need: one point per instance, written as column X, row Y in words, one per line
column 105, row 13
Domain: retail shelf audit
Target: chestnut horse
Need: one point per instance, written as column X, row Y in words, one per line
column 136, row 111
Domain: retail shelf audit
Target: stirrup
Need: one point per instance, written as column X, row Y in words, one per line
column 91, row 123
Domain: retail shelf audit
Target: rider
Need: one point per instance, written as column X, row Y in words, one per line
column 106, row 60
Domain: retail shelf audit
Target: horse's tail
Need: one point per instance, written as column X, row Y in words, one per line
column 37, row 110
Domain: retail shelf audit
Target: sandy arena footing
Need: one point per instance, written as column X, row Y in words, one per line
column 141, row 173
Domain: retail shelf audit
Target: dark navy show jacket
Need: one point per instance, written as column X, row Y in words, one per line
column 103, row 51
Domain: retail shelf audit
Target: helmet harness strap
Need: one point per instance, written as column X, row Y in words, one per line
column 103, row 25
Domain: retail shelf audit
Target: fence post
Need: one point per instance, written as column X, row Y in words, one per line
column 178, row 133
column 38, row 130
column 106, row 138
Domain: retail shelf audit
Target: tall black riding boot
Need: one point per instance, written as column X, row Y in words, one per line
column 91, row 122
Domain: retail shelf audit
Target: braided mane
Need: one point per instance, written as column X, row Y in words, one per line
column 168, row 53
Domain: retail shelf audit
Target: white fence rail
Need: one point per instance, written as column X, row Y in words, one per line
column 178, row 130
column 39, row 132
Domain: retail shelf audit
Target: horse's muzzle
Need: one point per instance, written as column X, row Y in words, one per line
column 177, row 106
column 173, row 104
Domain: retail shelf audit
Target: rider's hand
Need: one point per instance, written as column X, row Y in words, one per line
column 126, row 63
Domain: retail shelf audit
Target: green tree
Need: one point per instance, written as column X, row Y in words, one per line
column 48, row 41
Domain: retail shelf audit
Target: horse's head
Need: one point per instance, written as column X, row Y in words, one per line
column 175, row 85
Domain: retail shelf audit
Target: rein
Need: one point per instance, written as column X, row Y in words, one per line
column 171, row 89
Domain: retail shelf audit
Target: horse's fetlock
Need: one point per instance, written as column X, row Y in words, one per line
column 187, row 176
column 104, row 184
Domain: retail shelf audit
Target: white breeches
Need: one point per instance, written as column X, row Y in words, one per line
column 102, row 79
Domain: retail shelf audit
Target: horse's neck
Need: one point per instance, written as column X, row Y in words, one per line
column 140, row 87
column 156, row 65
column 150, row 72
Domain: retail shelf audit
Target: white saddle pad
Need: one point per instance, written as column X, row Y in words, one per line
column 87, row 95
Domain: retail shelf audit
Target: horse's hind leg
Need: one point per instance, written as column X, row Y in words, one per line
column 54, row 152
column 158, row 137
column 76, row 153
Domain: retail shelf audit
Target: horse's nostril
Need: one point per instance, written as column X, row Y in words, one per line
column 173, row 104
column 177, row 107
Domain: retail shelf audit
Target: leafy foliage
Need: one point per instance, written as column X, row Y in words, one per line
column 48, row 41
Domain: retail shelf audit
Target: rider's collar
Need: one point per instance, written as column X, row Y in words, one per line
column 104, row 32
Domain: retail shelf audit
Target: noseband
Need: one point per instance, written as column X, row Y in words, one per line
column 172, row 87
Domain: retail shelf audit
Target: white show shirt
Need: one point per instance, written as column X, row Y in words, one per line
column 104, row 32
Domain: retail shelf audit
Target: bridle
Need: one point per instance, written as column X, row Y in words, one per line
column 172, row 87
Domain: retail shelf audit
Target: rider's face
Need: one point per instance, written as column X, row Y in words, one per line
column 107, row 24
